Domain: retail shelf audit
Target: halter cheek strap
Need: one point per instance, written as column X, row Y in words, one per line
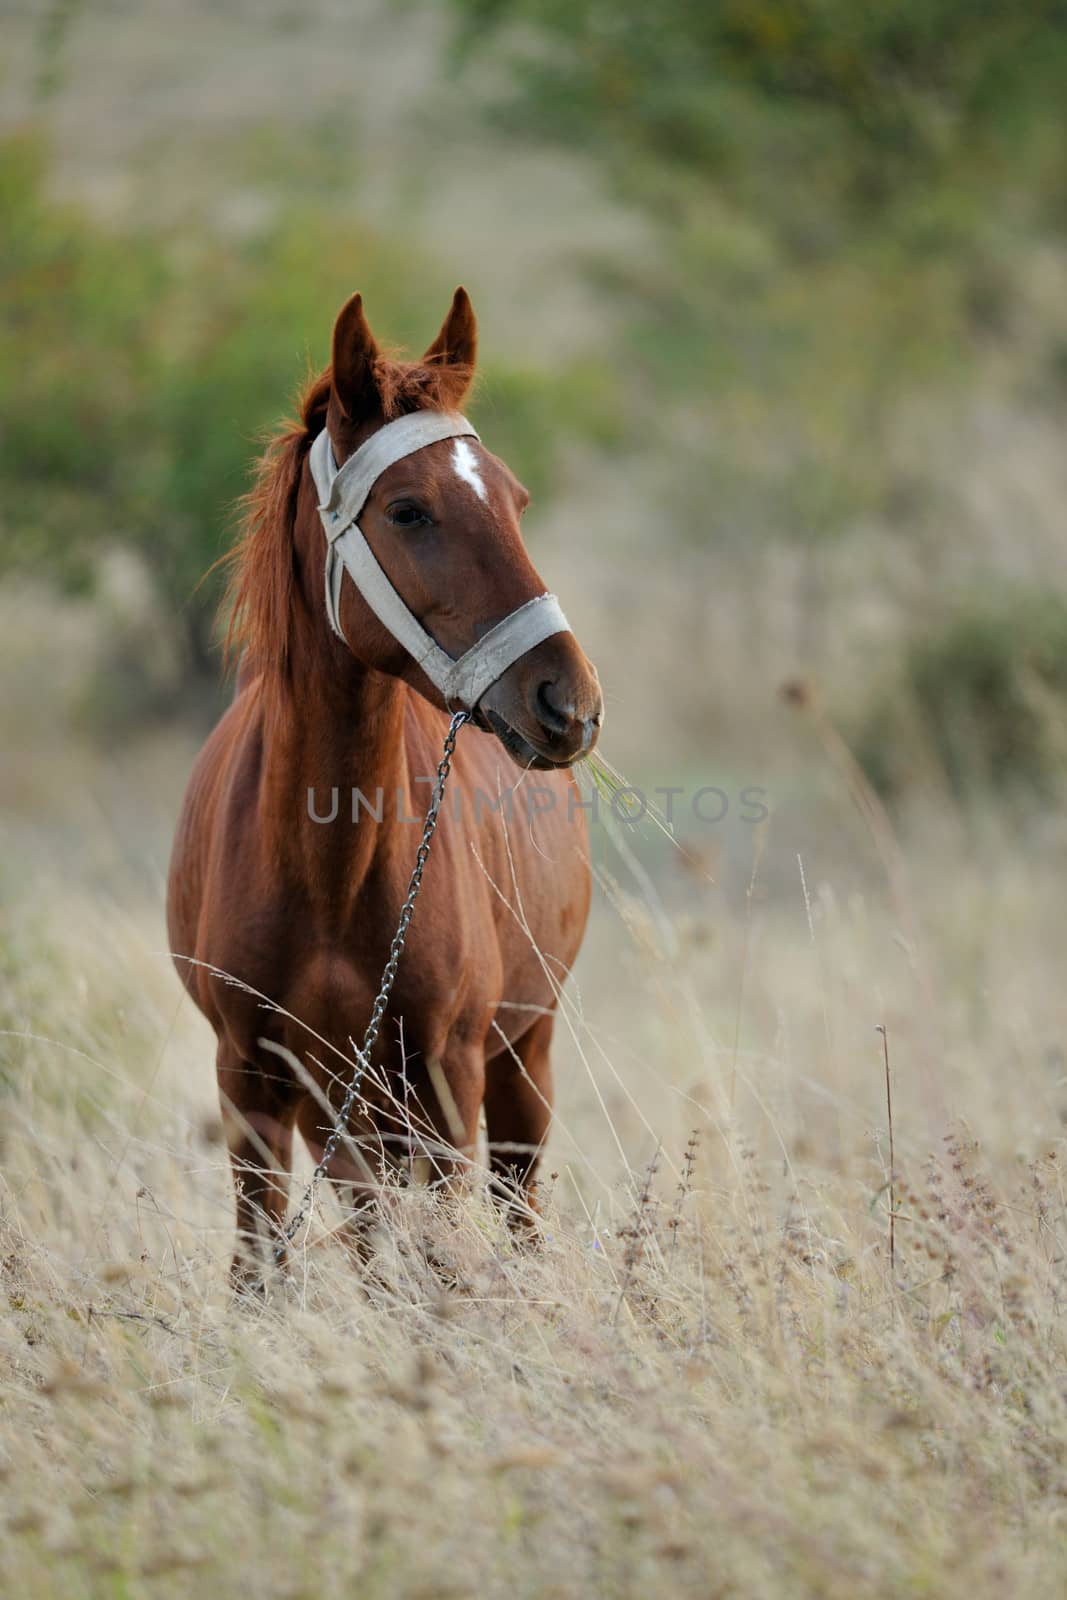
column 343, row 492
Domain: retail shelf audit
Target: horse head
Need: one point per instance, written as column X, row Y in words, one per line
column 438, row 531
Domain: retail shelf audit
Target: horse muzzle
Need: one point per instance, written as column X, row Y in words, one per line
column 547, row 709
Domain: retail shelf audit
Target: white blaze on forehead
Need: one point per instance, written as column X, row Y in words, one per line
column 466, row 464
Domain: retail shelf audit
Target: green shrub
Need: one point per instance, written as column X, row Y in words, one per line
column 847, row 200
column 981, row 702
column 794, row 105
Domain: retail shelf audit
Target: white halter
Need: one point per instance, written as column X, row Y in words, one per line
column 343, row 493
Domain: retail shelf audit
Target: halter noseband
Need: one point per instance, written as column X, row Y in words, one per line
column 343, row 492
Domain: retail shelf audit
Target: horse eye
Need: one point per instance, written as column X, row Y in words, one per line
column 405, row 515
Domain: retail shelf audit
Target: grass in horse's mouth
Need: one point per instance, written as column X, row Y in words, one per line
column 519, row 749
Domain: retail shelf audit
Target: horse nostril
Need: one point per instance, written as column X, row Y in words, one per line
column 552, row 710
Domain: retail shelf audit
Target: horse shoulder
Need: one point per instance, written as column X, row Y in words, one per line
column 202, row 859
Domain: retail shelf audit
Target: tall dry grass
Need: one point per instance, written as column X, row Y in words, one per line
column 706, row 1381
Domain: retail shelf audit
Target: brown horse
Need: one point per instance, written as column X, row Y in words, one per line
column 340, row 723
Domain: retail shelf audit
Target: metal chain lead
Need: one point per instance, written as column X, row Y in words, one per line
column 340, row 1127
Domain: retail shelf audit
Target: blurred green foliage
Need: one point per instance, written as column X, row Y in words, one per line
column 139, row 372
column 843, row 192
column 982, row 699
column 792, row 104
column 848, row 200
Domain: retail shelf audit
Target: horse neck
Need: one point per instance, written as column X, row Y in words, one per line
column 336, row 725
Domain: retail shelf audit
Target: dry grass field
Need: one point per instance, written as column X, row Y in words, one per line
column 708, row 1379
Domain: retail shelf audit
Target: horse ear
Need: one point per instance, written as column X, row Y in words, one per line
column 355, row 352
column 457, row 342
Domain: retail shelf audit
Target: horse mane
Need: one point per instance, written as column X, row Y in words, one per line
column 260, row 589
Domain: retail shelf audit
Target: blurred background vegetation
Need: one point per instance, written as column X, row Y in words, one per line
column 774, row 323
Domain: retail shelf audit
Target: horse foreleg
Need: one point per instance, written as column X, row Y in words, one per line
column 258, row 1112
column 430, row 1125
column 353, row 1172
column 449, row 1099
column 518, row 1111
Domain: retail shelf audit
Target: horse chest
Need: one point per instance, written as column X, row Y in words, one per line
column 329, row 982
